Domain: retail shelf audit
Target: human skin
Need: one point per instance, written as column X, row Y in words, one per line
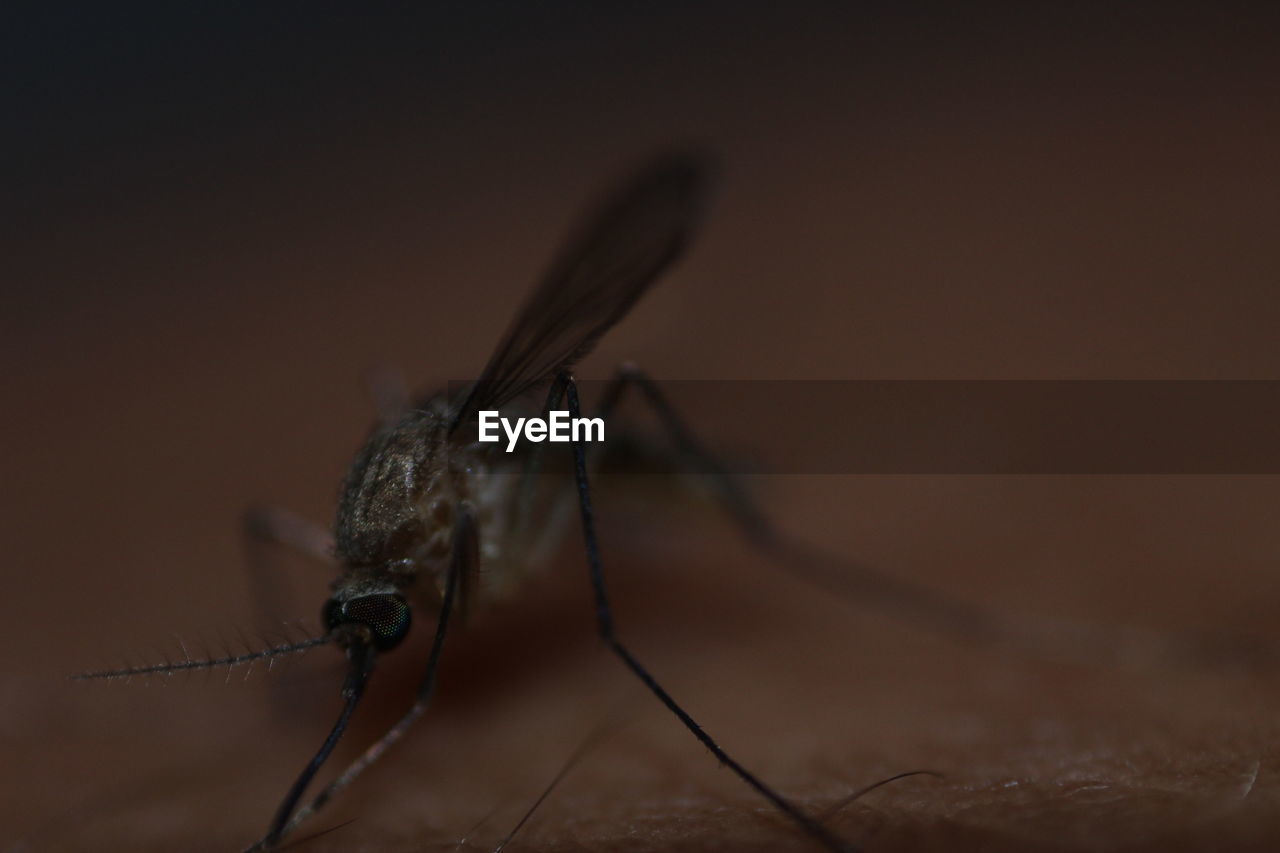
column 819, row 697
column 184, row 344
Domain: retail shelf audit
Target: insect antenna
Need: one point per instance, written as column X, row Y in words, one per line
column 169, row 667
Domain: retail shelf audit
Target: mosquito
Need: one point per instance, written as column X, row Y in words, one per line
column 426, row 508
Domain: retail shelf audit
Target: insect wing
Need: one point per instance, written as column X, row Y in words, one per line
column 631, row 238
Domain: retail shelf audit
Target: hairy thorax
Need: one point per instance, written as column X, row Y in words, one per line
column 402, row 494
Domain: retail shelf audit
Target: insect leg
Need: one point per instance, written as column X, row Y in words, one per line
column 850, row 579
column 266, row 527
column 362, row 658
column 278, row 526
column 388, row 390
column 1040, row 635
column 605, row 627
column 463, row 558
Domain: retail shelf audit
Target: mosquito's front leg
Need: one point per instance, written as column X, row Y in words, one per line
column 463, row 560
column 272, row 525
column 267, row 527
column 604, row 624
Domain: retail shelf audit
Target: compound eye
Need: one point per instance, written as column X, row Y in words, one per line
column 385, row 614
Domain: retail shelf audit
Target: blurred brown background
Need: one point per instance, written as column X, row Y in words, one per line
column 219, row 219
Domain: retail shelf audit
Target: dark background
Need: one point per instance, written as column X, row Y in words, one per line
column 219, row 216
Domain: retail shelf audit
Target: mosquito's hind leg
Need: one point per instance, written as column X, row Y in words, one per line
column 1041, row 636
column 565, row 387
column 751, row 521
column 847, row 578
